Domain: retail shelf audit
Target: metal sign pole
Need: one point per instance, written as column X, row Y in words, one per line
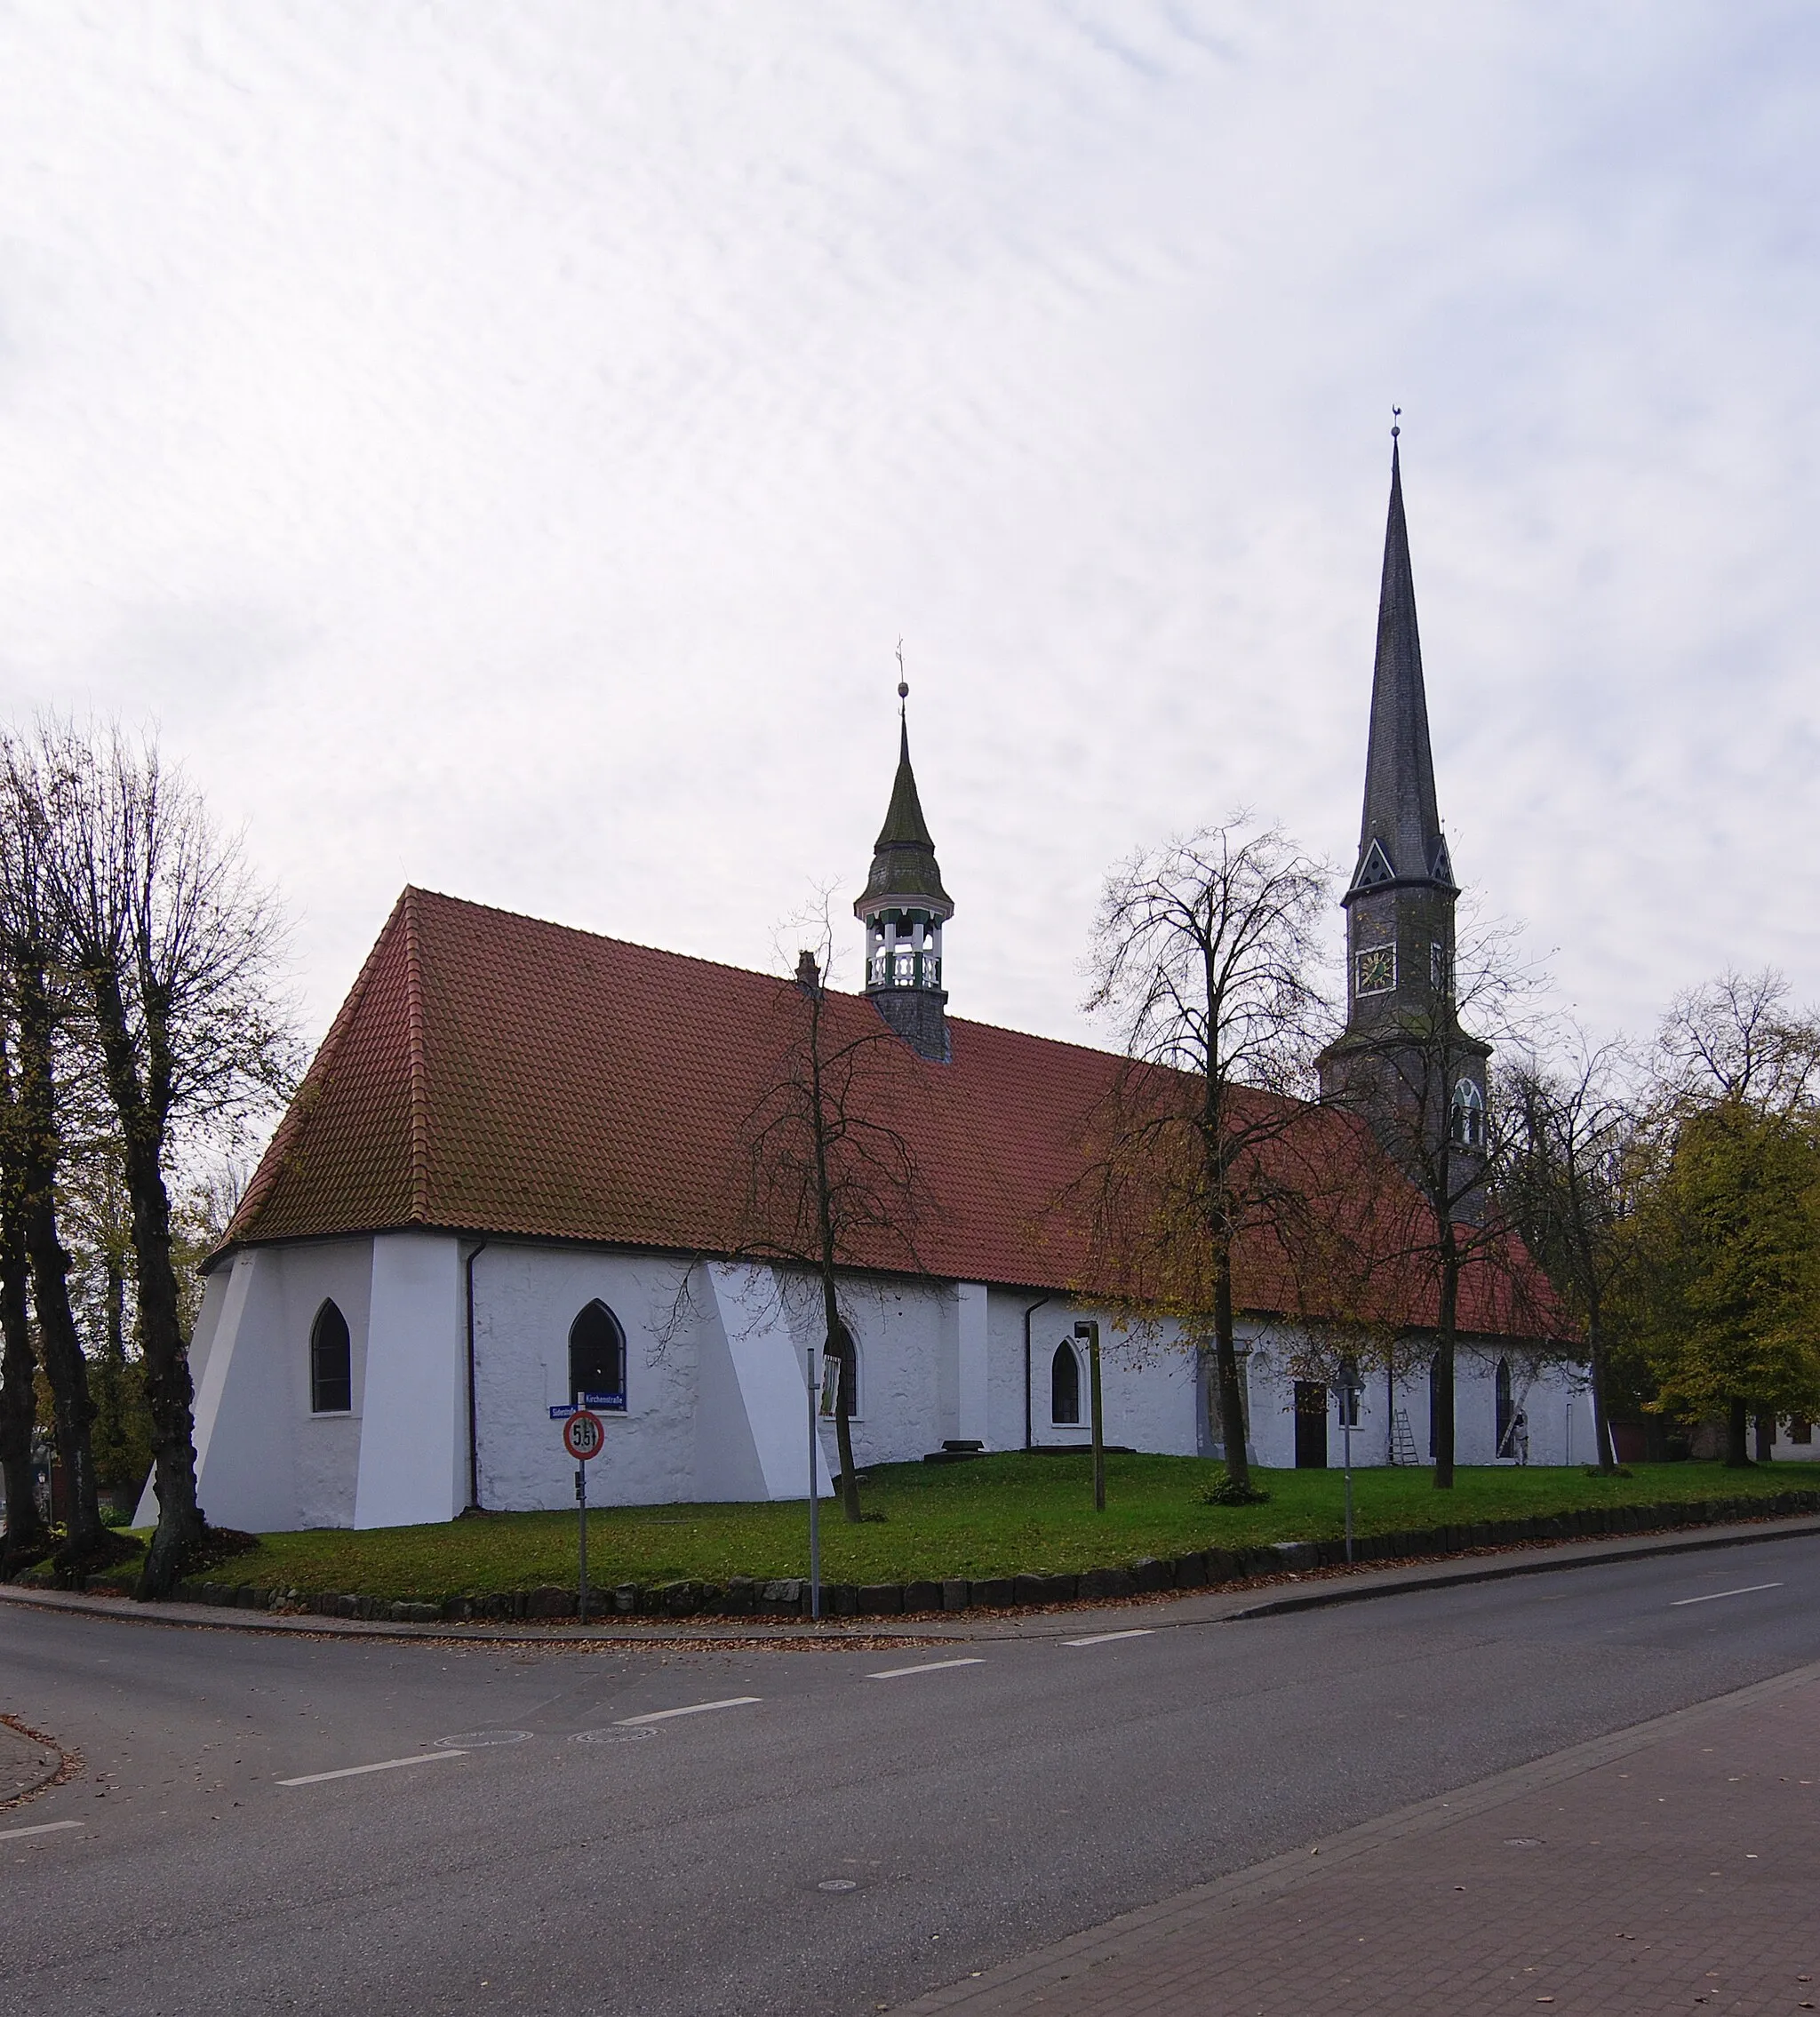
column 814, row 1495
column 1346, row 1441
column 582, row 1501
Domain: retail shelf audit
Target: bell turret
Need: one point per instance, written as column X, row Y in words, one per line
column 904, row 908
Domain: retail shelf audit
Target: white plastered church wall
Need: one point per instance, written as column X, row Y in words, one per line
column 413, row 1407
column 525, row 1299
column 265, row 1463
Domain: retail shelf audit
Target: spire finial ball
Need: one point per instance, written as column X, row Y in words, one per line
column 903, row 689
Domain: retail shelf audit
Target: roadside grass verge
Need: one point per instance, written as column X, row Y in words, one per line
column 998, row 1517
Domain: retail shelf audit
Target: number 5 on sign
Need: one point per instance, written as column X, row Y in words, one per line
column 583, row 1434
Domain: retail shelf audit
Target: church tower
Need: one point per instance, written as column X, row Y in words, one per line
column 1402, row 1033
column 904, row 908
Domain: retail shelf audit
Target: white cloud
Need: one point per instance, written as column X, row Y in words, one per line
column 503, row 448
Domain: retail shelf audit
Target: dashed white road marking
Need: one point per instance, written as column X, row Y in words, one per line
column 928, row 1667
column 1712, row 1596
column 1106, row 1637
column 385, row 1765
column 43, row 1828
column 693, row 1709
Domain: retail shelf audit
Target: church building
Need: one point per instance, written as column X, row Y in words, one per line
column 518, row 1170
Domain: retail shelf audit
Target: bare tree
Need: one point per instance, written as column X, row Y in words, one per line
column 176, row 949
column 26, row 1534
column 37, row 1007
column 832, row 1183
column 1572, row 1125
column 1203, row 950
column 1737, row 1039
column 1420, row 1085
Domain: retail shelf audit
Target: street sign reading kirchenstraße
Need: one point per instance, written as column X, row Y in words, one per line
column 583, row 1434
column 603, row 1400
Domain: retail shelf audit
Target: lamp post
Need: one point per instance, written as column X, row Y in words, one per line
column 1089, row 1329
column 1347, row 1389
column 814, row 1492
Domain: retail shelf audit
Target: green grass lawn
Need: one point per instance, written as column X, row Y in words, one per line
column 995, row 1516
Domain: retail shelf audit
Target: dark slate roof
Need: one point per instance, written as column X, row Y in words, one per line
column 492, row 1073
column 1400, row 814
column 903, row 862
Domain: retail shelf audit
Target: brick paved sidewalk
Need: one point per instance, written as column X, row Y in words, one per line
column 1672, row 1867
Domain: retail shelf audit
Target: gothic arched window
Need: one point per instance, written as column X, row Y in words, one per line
column 1065, row 1387
column 330, row 1363
column 1469, row 1116
column 1435, row 1406
column 1505, row 1411
column 597, row 1356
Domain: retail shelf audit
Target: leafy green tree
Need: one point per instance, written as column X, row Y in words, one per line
column 1728, row 1239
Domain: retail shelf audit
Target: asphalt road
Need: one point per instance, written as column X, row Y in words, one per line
column 839, row 1844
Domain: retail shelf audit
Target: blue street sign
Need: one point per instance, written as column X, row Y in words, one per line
column 603, row 1400
column 563, row 1413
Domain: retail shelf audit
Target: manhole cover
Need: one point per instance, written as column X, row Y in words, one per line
column 1523, row 1841
column 837, row 1884
column 478, row 1740
column 611, row 1736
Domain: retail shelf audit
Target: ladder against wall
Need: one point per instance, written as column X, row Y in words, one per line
column 1402, row 1444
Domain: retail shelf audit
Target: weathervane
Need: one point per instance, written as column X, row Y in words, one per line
column 1396, row 414
column 903, row 685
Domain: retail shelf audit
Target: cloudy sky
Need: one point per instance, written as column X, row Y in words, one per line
column 501, row 448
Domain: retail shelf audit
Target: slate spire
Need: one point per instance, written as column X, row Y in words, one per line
column 1400, row 835
column 904, row 908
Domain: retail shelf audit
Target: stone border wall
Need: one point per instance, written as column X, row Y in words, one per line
column 747, row 1597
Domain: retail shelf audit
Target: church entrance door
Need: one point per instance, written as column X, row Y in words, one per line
column 1311, row 1425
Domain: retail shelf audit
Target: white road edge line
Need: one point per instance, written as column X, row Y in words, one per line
column 928, row 1667
column 1106, row 1637
column 1712, row 1596
column 43, row 1828
column 694, row 1708
column 385, row 1765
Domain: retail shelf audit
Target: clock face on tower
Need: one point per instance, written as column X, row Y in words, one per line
column 1375, row 969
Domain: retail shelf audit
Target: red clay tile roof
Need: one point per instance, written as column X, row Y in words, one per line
column 495, row 1073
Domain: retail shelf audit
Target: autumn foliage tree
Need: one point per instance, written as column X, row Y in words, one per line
column 832, row 1182
column 1204, row 955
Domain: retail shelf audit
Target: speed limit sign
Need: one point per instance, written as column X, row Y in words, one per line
column 583, row 1434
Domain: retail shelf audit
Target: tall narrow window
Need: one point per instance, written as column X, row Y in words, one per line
column 330, row 1363
column 1065, row 1387
column 840, row 1378
column 1469, row 1116
column 1434, row 1405
column 597, row 1356
column 1506, row 1412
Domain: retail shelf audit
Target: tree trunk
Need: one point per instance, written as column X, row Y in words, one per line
column 169, row 1395
column 1226, row 1353
column 1737, row 1432
column 1443, row 1375
column 836, row 1346
column 843, row 1439
column 19, row 1402
column 1607, row 1458
column 64, row 1366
